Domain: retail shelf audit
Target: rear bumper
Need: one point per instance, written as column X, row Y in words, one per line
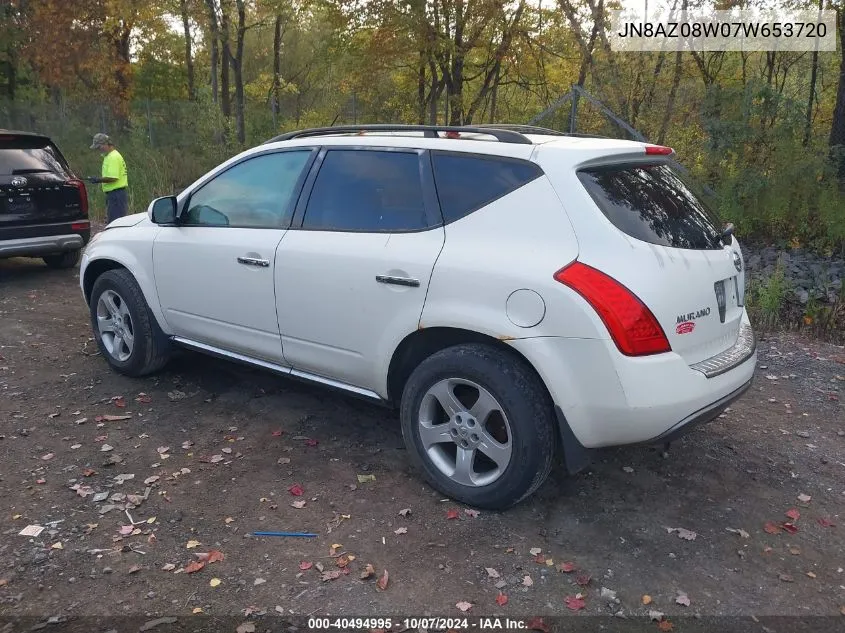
column 606, row 399
column 44, row 239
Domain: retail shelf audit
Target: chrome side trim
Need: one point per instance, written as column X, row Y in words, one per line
column 725, row 361
column 279, row 369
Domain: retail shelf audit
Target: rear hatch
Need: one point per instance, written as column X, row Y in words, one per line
column 36, row 184
column 669, row 251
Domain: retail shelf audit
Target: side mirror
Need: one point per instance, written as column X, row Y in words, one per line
column 163, row 210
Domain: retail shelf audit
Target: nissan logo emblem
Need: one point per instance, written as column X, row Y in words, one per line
column 18, row 181
column 737, row 262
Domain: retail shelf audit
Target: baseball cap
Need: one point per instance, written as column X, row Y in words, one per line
column 100, row 139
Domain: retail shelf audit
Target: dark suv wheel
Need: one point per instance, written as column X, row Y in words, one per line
column 127, row 333
column 68, row 259
column 480, row 425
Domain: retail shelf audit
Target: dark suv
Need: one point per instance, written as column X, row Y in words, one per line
column 43, row 204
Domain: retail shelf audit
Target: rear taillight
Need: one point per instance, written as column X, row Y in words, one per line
column 631, row 324
column 658, row 150
column 80, row 226
column 83, row 194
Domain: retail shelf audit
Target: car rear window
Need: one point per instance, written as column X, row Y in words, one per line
column 653, row 203
column 28, row 155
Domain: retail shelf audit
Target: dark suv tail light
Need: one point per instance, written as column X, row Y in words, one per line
column 83, row 194
column 631, row 324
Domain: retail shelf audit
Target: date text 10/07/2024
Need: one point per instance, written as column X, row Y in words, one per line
column 426, row 623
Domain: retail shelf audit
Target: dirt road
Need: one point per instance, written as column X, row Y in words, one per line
column 221, row 452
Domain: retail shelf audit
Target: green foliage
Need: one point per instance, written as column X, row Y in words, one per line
column 766, row 300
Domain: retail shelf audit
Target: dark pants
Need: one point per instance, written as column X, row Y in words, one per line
column 117, row 204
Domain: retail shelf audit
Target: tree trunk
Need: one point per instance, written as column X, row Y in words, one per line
column 673, row 91
column 214, row 36
column 189, row 59
column 122, row 72
column 226, row 52
column 237, row 68
column 277, row 63
column 495, row 95
column 837, row 128
column 421, row 88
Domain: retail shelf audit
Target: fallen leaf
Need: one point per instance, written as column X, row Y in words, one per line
column 824, row 522
column 501, row 599
column 331, row 575
column 804, row 498
column 228, row 520
column 246, row 627
column 362, row 479
column 583, row 580
column 105, row 448
column 298, row 504
column 401, row 530
column 527, row 582
column 196, row 610
column 792, row 529
column 771, row 528
column 192, row 544
column 215, row 582
column 740, row 532
column 151, row 480
column 405, row 512
column 537, row 624
column 258, row 581
column 88, row 472
column 226, row 450
column 119, row 402
column 683, row 600
column 126, row 529
column 534, row 551
column 277, row 433
column 540, row 559
column 334, row 548
column 687, row 535
column 471, row 513
column 381, row 583
column 311, row 442
column 57, row 545
column 793, row 514
column 452, row 514
column 368, row 572
column 342, row 561
column 655, row 615
column 811, row 574
column 48, row 457
column 492, row 573
column 574, row 603
column 168, row 567
column 143, row 398
column 112, row 418
column 566, row 568
column 786, row 578
column 194, row 566
column 134, row 569
column 665, row 626
column 464, row 606
column 296, row 490
column 646, row 599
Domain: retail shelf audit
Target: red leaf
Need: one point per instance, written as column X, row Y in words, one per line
column 501, row 599
column 88, row 472
column 793, row 514
column 194, row 566
column 215, row 556
column 296, row 490
column 120, row 402
column 540, row 559
column 566, row 568
column 574, row 604
column 771, row 528
column 381, row 583
column 305, row 565
column 311, row 442
column 665, row 626
column 277, row 433
column 583, row 580
column 789, row 528
column 452, row 514
column 143, row 398
column 826, row 522
column 537, row 624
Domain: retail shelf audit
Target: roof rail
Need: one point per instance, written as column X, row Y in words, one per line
column 429, row 131
column 533, row 129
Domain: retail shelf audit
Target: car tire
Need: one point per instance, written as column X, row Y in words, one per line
column 525, row 412
column 68, row 259
column 117, row 303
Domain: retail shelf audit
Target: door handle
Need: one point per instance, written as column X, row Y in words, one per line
column 398, row 281
column 254, row 261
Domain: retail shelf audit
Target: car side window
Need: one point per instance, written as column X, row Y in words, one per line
column 255, row 193
column 367, row 191
column 466, row 183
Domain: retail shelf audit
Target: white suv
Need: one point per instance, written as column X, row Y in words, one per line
column 515, row 292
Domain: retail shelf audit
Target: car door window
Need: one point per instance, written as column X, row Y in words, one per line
column 254, row 194
column 367, row 191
